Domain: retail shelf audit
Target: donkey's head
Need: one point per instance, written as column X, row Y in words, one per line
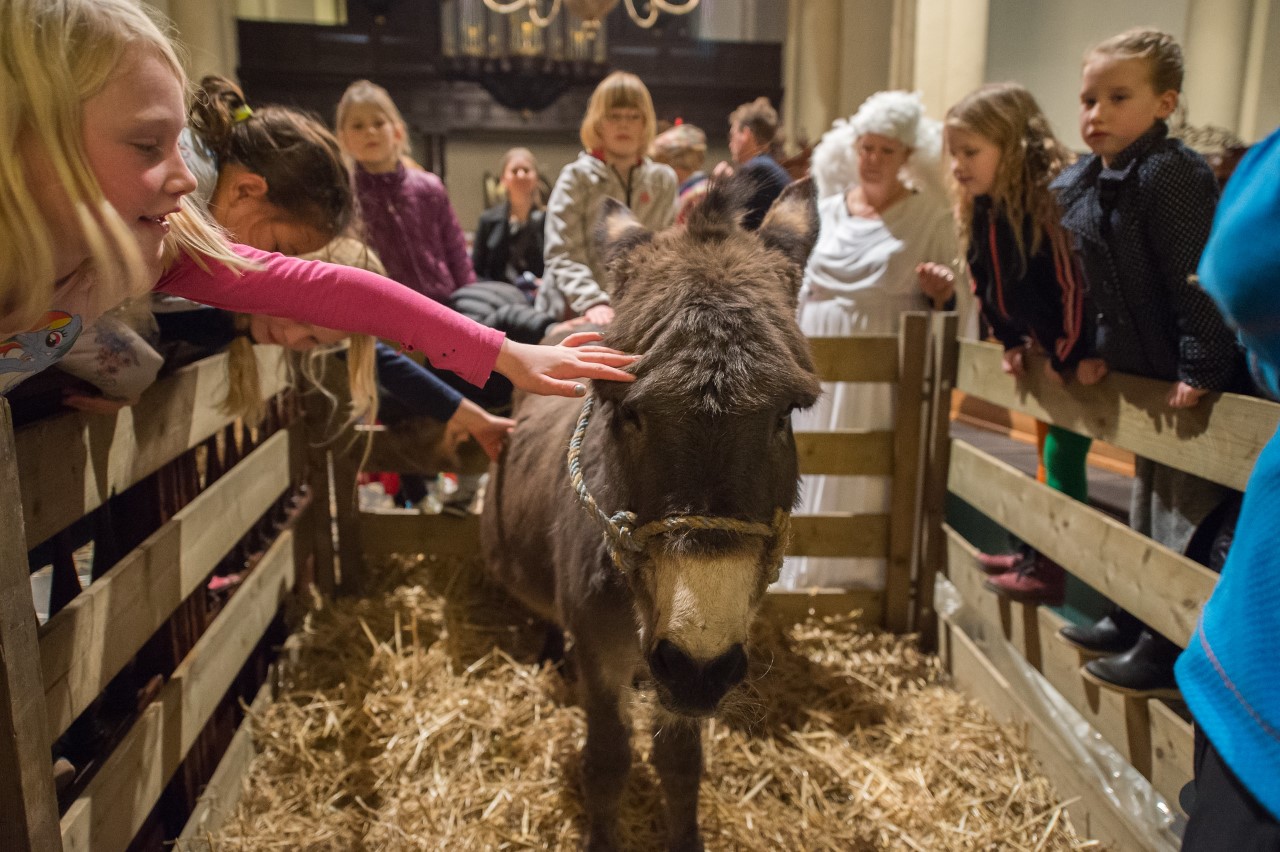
column 705, row 430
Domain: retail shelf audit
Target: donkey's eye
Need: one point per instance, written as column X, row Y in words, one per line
column 784, row 419
column 629, row 417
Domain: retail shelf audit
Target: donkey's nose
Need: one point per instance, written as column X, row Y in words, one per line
column 696, row 686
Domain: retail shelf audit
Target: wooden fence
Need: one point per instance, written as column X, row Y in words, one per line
column 1218, row 440
column 145, row 657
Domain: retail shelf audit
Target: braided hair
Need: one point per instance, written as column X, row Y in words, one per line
column 296, row 155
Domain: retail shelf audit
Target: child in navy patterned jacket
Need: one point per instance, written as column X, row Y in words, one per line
column 1140, row 210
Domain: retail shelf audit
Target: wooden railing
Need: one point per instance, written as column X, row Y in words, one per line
column 1219, row 440
column 213, row 491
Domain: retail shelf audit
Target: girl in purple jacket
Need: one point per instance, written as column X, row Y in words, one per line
column 408, row 218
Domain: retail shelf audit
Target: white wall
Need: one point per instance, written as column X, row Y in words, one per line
column 1040, row 45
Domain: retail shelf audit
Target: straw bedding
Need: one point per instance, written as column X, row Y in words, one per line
column 417, row 718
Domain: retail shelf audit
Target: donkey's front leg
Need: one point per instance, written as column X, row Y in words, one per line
column 606, row 759
column 677, row 755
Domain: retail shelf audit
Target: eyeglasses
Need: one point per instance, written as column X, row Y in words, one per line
column 624, row 116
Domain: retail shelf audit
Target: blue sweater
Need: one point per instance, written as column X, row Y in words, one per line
column 1229, row 673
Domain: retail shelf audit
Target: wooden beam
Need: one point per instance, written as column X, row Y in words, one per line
column 1162, row 588
column 222, row 793
column 787, row 607
column 1017, row 623
column 69, row 465
column 908, row 434
column 92, row 638
column 29, row 813
column 944, row 352
column 846, row 452
column 408, row 531
column 107, row 815
column 1219, row 439
column 838, row 534
column 1092, row 812
column 1172, row 750
column 865, row 358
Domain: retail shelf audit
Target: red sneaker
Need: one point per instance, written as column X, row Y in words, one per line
column 1041, row 581
column 1000, row 563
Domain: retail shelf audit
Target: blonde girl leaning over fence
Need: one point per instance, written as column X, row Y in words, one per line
column 1003, row 155
column 92, row 188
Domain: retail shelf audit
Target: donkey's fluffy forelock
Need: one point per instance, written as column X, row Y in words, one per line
column 712, row 309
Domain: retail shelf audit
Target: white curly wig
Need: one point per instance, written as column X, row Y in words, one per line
column 896, row 114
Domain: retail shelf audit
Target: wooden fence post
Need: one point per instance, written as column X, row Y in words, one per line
column 944, row 351
column 907, row 432
column 29, row 816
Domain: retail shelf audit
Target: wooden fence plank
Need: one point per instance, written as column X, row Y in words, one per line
column 905, row 491
column 1016, row 622
column 846, row 452
column 385, row 533
column 105, row 817
column 944, row 351
column 29, row 809
column 69, row 465
column 1164, row 589
column 787, row 607
column 222, row 793
column 90, row 640
column 1219, row 439
column 1172, row 750
column 865, row 358
column 837, row 534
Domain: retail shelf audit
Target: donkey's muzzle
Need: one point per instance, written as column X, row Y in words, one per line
column 693, row 687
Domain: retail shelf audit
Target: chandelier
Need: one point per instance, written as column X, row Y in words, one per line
column 591, row 11
column 526, row 57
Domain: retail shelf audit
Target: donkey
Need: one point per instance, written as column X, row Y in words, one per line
column 690, row 472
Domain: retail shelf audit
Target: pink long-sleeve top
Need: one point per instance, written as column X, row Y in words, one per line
column 343, row 298
column 323, row 294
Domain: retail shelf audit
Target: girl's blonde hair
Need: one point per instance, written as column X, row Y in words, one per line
column 365, row 93
column 1158, row 49
column 244, row 384
column 620, row 90
column 1006, row 115
column 55, row 55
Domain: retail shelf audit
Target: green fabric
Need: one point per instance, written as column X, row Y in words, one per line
column 1064, row 462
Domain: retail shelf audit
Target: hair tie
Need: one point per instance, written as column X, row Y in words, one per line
column 242, row 113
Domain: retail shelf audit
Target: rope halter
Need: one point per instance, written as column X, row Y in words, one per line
column 625, row 542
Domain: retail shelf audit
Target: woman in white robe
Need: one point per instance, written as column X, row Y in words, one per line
column 883, row 218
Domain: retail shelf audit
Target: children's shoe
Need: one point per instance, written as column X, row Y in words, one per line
column 1115, row 632
column 1001, row 563
column 1144, row 671
column 1040, row 581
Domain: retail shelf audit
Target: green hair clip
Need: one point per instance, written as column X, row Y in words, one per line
column 242, row 113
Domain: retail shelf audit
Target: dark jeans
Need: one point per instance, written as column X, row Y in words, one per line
column 1224, row 815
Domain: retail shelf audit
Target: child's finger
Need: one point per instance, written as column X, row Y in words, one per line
column 613, row 359
column 591, row 349
column 580, row 337
column 605, row 373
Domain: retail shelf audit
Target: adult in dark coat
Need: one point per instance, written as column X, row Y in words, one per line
column 753, row 133
column 509, row 239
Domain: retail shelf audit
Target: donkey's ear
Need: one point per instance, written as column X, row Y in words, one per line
column 617, row 234
column 618, row 231
column 791, row 225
